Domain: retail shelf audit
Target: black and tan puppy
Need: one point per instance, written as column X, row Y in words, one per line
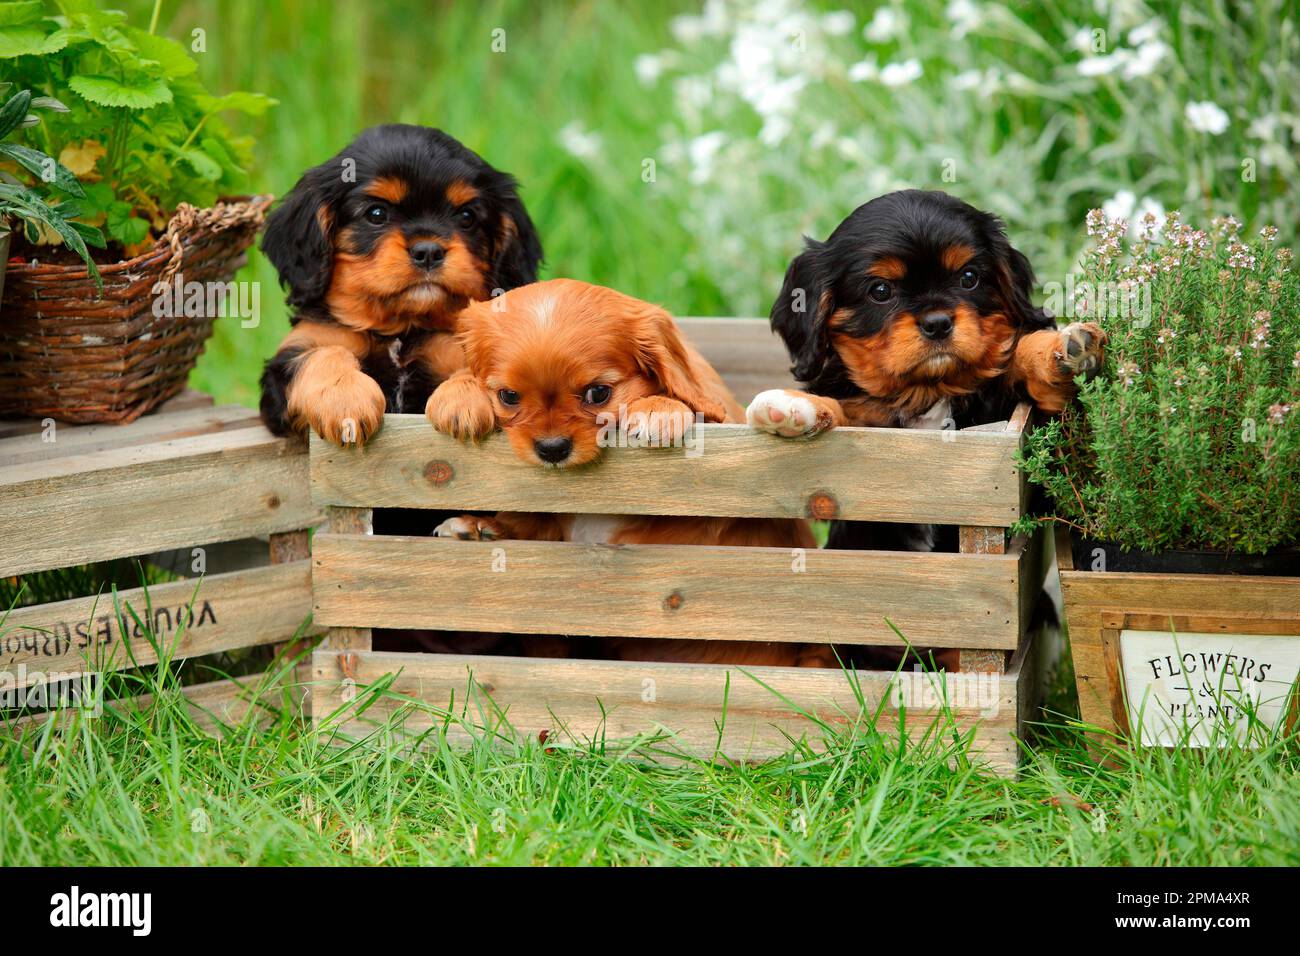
column 380, row 247
column 916, row 313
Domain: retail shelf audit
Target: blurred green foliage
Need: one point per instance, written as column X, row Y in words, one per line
column 1035, row 137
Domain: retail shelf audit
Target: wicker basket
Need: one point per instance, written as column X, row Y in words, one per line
column 70, row 353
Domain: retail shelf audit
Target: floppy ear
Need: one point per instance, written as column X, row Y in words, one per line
column 1015, row 288
column 800, row 313
column 517, row 251
column 663, row 354
column 299, row 238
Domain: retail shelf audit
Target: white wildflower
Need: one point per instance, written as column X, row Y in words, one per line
column 1206, row 117
column 864, row 70
column 901, row 74
column 581, row 142
column 1102, row 65
column 837, row 23
column 702, row 151
column 1145, row 59
column 965, row 16
column 1146, row 32
column 649, row 68
column 887, row 24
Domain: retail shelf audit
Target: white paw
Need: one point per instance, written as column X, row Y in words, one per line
column 780, row 413
column 466, row 528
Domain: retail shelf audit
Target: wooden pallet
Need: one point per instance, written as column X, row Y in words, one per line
column 191, row 475
column 977, row 601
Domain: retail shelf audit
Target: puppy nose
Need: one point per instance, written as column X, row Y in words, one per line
column 554, row 450
column 427, row 255
column 936, row 325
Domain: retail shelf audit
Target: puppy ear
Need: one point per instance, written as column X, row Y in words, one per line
column 299, row 238
column 1015, row 288
column 800, row 313
column 664, row 355
column 517, row 251
column 474, row 330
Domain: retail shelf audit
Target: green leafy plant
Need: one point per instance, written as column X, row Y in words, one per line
column 21, row 202
column 143, row 131
column 1191, row 436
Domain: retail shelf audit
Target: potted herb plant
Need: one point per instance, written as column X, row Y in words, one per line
column 20, row 203
column 1175, row 485
column 85, row 343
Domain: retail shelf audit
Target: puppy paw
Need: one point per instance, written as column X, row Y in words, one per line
column 461, row 408
column 788, row 414
column 470, row 528
column 658, row 420
column 1048, row 361
column 1082, row 348
column 336, row 400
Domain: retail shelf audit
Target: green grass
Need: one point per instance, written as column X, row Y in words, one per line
column 149, row 788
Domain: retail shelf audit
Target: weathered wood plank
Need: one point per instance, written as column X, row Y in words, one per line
column 745, row 352
column 84, row 439
column 882, row 474
column 677, row 591
column 224, row 611
column 350, row 521
column 1088, row 595
column 190, row 398
column 129, row 501
column 213, row 705
column 582, row 699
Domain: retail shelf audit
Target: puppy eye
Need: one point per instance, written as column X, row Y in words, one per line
column 467, row 218
column 377, row 214
column 597, row 394
column 880, row 291
column 508, row 397
column 969, row 278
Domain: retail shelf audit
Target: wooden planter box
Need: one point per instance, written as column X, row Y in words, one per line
column 1154, row 649
column 189, row 475
column 975, row 601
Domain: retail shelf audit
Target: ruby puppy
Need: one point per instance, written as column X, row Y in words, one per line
column 552, row 364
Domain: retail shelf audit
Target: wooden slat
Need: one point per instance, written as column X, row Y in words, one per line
column 84, row 439
column 238, row 609
column 885, row 474
column 678, row 591
column 213, row 705
column 190, row 398
column 581, row 699
column 350, row 521
column 745, row 352
column 129, row 501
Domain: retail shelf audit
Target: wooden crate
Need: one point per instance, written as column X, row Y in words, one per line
column 977, row 601
column 1101, row 605
column 191, row 474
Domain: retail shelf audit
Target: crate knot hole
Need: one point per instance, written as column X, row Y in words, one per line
column 272, row 501
column 823, row 506
column 674, row 601
column 439, row 472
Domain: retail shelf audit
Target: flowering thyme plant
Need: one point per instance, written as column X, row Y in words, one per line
column 1191, row 436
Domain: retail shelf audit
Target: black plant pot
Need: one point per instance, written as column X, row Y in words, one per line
column 1280, row 562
